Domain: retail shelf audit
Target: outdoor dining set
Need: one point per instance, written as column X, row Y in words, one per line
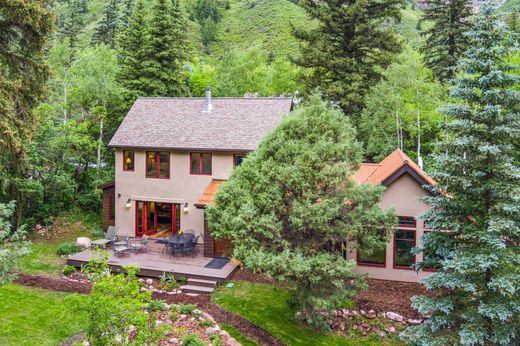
column 183, row 243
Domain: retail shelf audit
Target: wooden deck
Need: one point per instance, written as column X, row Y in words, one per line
column 153, row 263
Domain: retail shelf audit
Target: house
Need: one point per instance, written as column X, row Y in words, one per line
column 171, row 155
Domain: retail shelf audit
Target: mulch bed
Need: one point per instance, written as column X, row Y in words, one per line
column 244, row 275
column 52, row 284
column 383, row 295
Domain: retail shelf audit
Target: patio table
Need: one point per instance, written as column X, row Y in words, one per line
column 177, row 242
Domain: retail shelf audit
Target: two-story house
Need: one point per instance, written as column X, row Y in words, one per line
column 171, row 155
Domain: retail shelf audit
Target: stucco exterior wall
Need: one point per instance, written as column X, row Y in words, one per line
column 181, row 187
column 404, row 196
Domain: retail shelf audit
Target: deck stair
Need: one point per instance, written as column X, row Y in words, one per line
column 199, row 286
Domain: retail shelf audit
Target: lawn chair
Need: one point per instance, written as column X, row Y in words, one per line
column 190, row 247
column 110, row 237
column 122, row 247
column 139, row 244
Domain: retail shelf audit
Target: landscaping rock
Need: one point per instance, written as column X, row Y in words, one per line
column 174, row 341
column 381, row 334
column 414, row 321
column 233, row 342
column 371, row 314
column 83, row 242
column 391, row 329
column 149, row 281
column 394, row 316
column 158, row 323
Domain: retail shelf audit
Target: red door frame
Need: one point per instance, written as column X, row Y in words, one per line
column 144, row 218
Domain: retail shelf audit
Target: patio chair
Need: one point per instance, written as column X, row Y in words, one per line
column 189, row 231
column 190, row 247
column 139, row 244
column 122, row 247
column 110, row 237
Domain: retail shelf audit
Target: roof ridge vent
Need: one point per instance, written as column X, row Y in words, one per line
column 207, row 102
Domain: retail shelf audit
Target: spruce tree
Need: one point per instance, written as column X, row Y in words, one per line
column 445, row 39
column 475, row 214
column 126, row 8
column 107, row 28
column 72, row 25
column 347, row 51
column 131, row 54
column 166, row 51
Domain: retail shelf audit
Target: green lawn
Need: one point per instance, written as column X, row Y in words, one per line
column 244, row 340
column 43, row 258
column 32, row 316
column 265, row 305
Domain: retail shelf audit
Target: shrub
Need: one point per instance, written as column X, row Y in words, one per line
column 68, row 270
column 205, row 323
column 156, row 305
column 98, row 233
column 67, row 249
column 192, row 340
column 187, row 309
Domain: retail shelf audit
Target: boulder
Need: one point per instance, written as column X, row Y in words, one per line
column 83, row 242
column 174, row 341
column 390, row 329
column 394, row 316
column 371, row 314
column 414, row 321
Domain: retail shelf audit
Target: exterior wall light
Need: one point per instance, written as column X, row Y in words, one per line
column 129, row 204
column 186, row 208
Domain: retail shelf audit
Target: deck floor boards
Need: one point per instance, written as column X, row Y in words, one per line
column 154, row 262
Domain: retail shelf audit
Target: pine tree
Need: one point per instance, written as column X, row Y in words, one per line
column 346, row 53
column 107, row 28
column 513, row 20
column 475, row 215
column 126, row 8
column 131, row 54
column 72, row 25
column 166, row 51
column 445, row 40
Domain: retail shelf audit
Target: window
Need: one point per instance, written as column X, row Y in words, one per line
column 377, row 258
column 406, row 221
column 158, row 164
column 200, row 164
column 128, row 160
column 404, row 241
column 238, row 158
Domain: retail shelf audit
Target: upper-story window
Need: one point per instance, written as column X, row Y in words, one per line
column 158, row 164
column 238, row 158
column 200, row 164
column 406, row 221
column 128, row 160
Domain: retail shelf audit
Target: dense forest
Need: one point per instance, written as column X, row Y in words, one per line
column 90, row 59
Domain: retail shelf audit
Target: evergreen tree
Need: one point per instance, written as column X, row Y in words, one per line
column 513, row 20
column 289, row 205
column 475, row 215
column 131, row 54
column 126, row 8
column 25, row 27
column 107, row 28
column 72, row 25
column 347, row 51
column 166, row 51
column 445, row 40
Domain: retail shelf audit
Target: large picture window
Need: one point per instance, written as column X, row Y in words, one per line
column 158, row 164
column 128, row 160
column 200, row 164
column 404, row 241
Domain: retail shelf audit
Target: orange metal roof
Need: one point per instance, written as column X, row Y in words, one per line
column 368, row 173
column 209, row 193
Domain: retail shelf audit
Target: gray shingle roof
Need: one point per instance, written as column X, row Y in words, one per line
column 180, row 123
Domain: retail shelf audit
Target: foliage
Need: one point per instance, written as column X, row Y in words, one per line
column 475, row 216
column 266, row 306
column 107, row 28
column 32, row 316
column 12, row 244
column 68, row 270
column 115, row 303
column 346, row 54
column 67, row 249
column 192, row 340
column 187, row 309
column 156, row 305
column 445, row 39
column 25, row 27
column 165, row 51
column 406, row 93
column 290, row 203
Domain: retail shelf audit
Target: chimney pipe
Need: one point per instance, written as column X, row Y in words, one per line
column 207, row 103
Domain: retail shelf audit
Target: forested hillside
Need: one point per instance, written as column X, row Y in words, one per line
column 102, row 54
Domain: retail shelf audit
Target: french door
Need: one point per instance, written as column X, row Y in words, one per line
column 155, row 217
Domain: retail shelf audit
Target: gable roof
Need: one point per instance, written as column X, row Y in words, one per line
column 391, row 168
column 234, row 124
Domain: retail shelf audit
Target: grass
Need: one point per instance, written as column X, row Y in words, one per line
column 266, row 306
column 244, row 340
column 32, row 316
column 43, row 258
